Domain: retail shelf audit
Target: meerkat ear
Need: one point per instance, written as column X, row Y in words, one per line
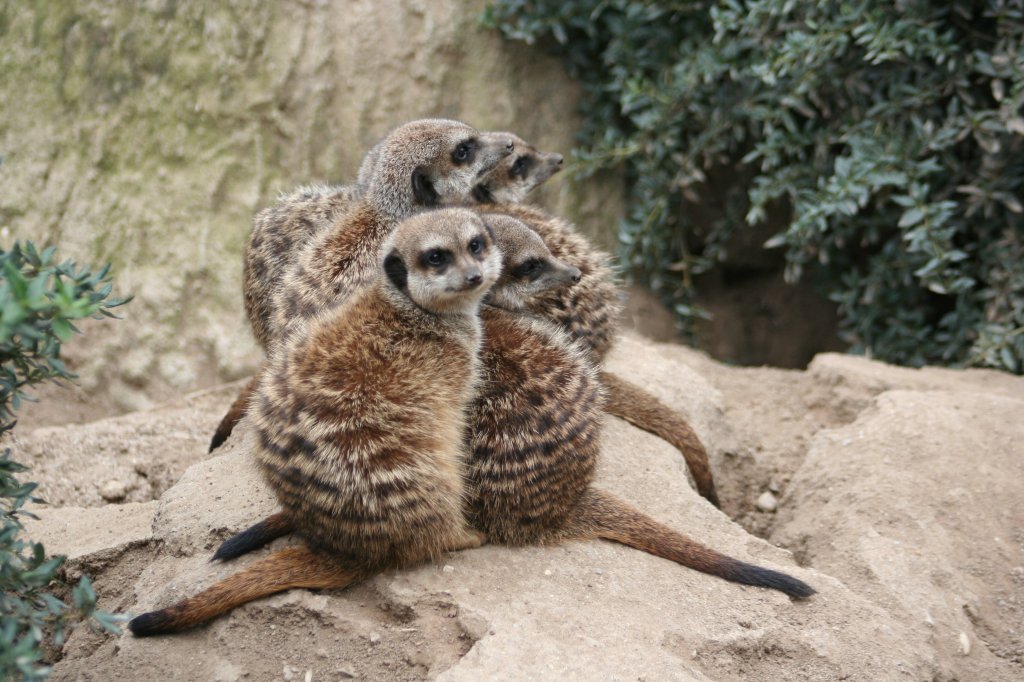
column 396, row 271
column 423, row 188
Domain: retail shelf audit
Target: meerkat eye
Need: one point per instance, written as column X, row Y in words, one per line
column 434, row 258
column 461, row 152
column 527, row 268
column 476, row 245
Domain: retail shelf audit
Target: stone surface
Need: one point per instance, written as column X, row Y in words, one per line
column 905, row 516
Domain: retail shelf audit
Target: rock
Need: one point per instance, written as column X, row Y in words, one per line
column 767, row 502
column 114, row 491
column 76, row 532
column 910, row 534
column 918, row 513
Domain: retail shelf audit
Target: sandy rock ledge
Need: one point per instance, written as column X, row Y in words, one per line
column 902, row 505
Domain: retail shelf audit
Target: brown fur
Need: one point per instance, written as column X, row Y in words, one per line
column 415, row 169
column 275, row 241
column 282, row 232
column 361, row 420
column 534, row 443
column 589, row 312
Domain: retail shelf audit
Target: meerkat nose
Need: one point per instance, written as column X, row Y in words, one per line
column 474, row 277
column 576, row 275
column 558, row 159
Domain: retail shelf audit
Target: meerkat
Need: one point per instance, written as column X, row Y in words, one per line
column 534, row 437
column 317, row 245
column 279, row 233
column 361, row 421
column 589, row 310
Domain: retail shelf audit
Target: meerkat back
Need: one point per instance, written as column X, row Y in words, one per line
column 277, row 236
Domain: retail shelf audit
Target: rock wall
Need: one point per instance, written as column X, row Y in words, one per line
column 148, row 134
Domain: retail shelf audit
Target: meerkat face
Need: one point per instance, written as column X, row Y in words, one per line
column 528, row 268
column 445, row 261
column 431, row 162
column 517, row 174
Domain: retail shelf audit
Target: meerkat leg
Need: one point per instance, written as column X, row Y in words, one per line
column 295, row 567
column 602, row 515
column 643, row 410
column 234, row 415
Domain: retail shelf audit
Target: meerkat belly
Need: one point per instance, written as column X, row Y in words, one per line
column 535, row 425
column 362, row 449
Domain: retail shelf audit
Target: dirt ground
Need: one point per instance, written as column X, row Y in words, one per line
column 894, row 492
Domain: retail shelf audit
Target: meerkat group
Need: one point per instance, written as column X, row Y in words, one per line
column 433, row 376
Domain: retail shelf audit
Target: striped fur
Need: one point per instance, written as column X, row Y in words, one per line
column 361, row 420
column 534, row 443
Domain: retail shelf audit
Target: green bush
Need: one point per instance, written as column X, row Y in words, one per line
column 889, row 135
column 39, row 299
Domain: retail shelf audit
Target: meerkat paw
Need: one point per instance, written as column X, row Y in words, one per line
column 468, row 539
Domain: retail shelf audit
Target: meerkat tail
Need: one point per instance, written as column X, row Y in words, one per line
column 253, row 537
column 284, row 570
column 234, row 415
column 643, row 410
column 602, row 515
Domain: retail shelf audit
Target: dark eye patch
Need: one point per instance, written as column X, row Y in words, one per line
column 464, row 152
column 521, row 167
column 436, row 258
column 529, row 269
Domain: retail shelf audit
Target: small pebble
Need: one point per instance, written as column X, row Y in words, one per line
column 374, row 638
column 114, row 491
column 965, row 644
column 289, row 673
column 547, row 571
column 345, row 673
column 599, row 571
column 767, row 502
column 448, row 568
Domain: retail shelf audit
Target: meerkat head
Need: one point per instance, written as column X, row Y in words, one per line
column 517, row 174
column 528, row 268
column 429, row 163
column 444, row 261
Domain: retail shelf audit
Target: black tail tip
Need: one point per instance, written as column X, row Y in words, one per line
column 148, row 624
column 249, row 539
column 712, row 497
column 217, row 440
column 765, row 577
column 229, row 549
